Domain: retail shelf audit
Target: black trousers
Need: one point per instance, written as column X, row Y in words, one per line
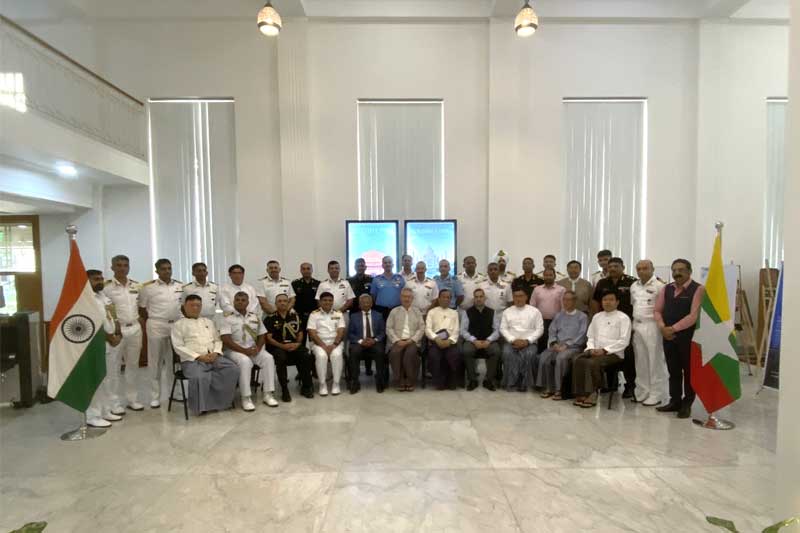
column 491, row 354
column 678, row 355
column 541, row 344
column 301, row 358
column 376, row 353
column 629, row 367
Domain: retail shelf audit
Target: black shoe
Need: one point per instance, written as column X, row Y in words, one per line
column 669, row 408
column 308, row 393
column 633, row 399
column 355, row 387
column 627, row 393
column 369, row 371
column 685, row 412
column 522, row 388
column 379, row 388
column 472, row 385
column 489, row 385
column 285, row 396
column 453, row 386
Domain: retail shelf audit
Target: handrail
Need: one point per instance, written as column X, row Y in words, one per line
column 68, row 59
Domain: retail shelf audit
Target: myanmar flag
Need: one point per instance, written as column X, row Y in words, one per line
column 77, row 339
column 714, row 363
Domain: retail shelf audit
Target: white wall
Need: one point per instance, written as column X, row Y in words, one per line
column 127, row 232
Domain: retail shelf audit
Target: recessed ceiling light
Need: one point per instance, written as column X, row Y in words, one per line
column 66, row 170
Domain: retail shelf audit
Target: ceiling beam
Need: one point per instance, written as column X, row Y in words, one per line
column 725, row 8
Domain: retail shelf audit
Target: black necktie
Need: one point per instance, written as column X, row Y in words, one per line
column 368, row 329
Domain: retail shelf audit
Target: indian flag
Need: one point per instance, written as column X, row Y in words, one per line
column 77, row 363
column 714, row 363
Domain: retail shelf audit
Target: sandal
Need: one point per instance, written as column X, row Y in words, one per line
column 545, row 395
column 556, row 396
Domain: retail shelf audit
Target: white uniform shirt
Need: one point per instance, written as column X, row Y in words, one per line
column 193, row 337
column 243, row 329
column 498, row 294
column 108, row 318
column 442, row 319
column 609, row 331
column 341, row 290
column 597, row 276
column 559, row 275
column 126, row 303
column 508, row 277
column 162, row 300
column 269, row 288
column 425, row 292
column 643, row 298
column 226, row 293
column 522, row 323
column 207, row 292
column 326, row 324
column 408, row 277
column 470, row 284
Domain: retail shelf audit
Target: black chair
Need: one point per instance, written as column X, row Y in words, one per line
column 612, row 380
column 255, row 374
column 177, row 373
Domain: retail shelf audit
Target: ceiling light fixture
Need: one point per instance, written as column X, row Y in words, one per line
column 269, row 21
column 66, row 170
column 526, row 22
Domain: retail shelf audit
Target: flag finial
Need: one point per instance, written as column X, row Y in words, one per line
column 72, row 231
column 718, row 225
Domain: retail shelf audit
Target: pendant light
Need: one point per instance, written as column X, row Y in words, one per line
column 526, row 22
column 269, row 21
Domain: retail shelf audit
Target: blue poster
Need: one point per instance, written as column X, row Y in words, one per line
column 371, row 240
column 431, row 241
column 773, row 363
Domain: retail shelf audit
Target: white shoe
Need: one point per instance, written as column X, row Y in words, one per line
column 247, row 404
column 323, row 389
column 98, row 423
column 119, row 411
column 155, row 404
column 111, row 417
column 651, row 403
column 270, row 400
column 335, row 389
column 135, row 406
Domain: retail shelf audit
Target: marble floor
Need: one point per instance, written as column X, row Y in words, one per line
column 453, row 461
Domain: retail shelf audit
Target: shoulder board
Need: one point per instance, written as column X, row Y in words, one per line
column 132, row 281
column 265, row 277
column 227, row 313
column 177, row 281
column 428, row 279
column 661, row 280
column 107, row 282
column 212, row 284
column 187, row 284
column 511, row 273
column 315, row 311
column 146, row 283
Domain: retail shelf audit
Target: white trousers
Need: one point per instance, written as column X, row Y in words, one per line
column 102, row 400
column 321, row 360
column 132, row 386
column 159, row 356
column 651, row 366
column 245, row 363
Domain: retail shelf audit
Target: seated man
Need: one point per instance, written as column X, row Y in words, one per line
column 326, row 331
column 285, row 339
column 367, row 335
column 480, row 333
column 212, row 378
column 521, row 326
column 243, row 336
column 609, row 334
column 441, row 328
column 567, row 337
column 404, row 331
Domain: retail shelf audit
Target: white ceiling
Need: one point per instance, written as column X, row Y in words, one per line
column 23, row 10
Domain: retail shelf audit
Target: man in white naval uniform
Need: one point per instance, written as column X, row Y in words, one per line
column 326, row 330
column 648, row 347
column 99, row 413
column 272, row 285
column 207, row 290
column 470, row 280
column 424, row 289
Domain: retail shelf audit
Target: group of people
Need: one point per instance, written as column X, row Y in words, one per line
column 554, row 333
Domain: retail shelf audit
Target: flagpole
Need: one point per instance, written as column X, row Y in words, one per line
column 712, row 422
column 84, row 432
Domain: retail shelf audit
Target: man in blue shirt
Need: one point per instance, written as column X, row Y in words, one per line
column 385, row 289
column 445, row 281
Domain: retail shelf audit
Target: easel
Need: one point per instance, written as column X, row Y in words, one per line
column 746, row 317
column 767, row 303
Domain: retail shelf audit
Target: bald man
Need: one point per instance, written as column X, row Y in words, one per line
column 651, row 366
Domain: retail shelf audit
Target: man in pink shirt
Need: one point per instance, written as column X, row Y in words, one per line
column 677, row 307
column 547, row 299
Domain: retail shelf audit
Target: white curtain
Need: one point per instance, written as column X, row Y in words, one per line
column 776, row 182
column 606, row 188
column 193, row 162
column 400, row 160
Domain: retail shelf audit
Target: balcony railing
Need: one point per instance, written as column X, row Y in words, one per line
column 35, row 77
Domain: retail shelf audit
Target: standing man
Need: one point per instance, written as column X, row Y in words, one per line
column 441, row 329
column 528, row 280
column 205, row 289
column 424, row 289
column 271, row 285
column 160, row 307
column 480, row 331
column 582, row 288
column 407, row 271
column 99, row 413
column 547, row 299
column 404, row 331
column 567, row 337
column 305, row 290
column 602, row 260
column 521, row 326
column 501, row 258
column 498, row 293
column 470, row 280
column 326, row 330
column 285, row 336
column 445, row 281
column 237, row 284
column 244, row 336
column 212, row 378
column 620, row 283
column 367, row 336
column 340, row 288
column 676, row 311
column 124, row 293
column 360, row 282
column 549, row 262
column 385, row 289
column 648, row 346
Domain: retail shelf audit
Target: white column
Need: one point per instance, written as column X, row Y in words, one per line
column 788, row 466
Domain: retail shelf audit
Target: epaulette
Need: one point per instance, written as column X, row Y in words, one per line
column 108, row 282
column 265, row 277
column 661, row 280
column 315, row 311
column 146, row 283
column 179, row 282
column 187, row 284
column 227, row 313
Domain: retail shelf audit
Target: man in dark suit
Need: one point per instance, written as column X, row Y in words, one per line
column 366, row 335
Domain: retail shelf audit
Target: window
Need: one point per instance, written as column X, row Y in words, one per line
column 605, row 162
column 400, row 159
column 776, row 181
column 17, row 253
column 12, row 91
